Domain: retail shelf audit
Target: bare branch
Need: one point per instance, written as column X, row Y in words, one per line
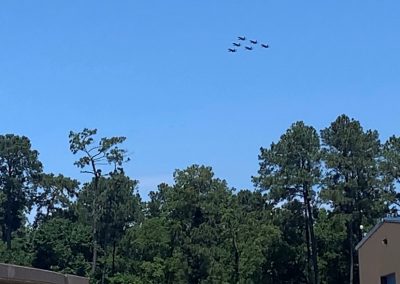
column 88, row 172
column 94, row 148
column 99, row 153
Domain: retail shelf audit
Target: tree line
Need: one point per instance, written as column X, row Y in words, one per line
column 315, row 195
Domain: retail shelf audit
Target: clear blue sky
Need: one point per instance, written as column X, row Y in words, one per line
column 158, row 72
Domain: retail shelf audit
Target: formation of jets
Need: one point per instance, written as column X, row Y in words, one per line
column 253, row 43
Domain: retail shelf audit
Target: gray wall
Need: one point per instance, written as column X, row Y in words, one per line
column 19, row 274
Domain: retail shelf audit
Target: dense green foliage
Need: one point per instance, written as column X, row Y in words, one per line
column 313, row 196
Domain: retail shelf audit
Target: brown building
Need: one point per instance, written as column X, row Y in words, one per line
column 379, row 253
column 14, row 274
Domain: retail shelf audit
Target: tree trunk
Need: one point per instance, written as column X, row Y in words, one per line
column 94, row 224
column 236, row 276
column 103, row 274
column 8, row 238
column 307, row 231
column 351, row 280
column 113, row 260
column 3, row 233
column 94, row 256
column 313, row 244
column 8, row 221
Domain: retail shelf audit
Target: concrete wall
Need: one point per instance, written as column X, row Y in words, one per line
column 379, row 259
column 19, row 274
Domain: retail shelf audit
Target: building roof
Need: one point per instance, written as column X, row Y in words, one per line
column 375, row 228
column 15, row 274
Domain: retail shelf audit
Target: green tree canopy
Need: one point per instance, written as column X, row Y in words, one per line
column 20, row 171
column 353, row 183
column 290, row 170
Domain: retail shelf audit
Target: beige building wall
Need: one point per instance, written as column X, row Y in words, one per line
column 379, row 259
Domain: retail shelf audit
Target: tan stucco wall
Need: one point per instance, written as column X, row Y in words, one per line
column 14, row 274
column 377, row 259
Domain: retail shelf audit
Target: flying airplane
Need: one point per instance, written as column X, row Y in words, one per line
column 253, row 41
column 236, row 44
column 265, row 45
column 241, row 38
column 248, row 47
column 231, row 50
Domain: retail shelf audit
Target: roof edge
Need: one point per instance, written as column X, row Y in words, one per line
column 10, row 273
column 374, row 229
